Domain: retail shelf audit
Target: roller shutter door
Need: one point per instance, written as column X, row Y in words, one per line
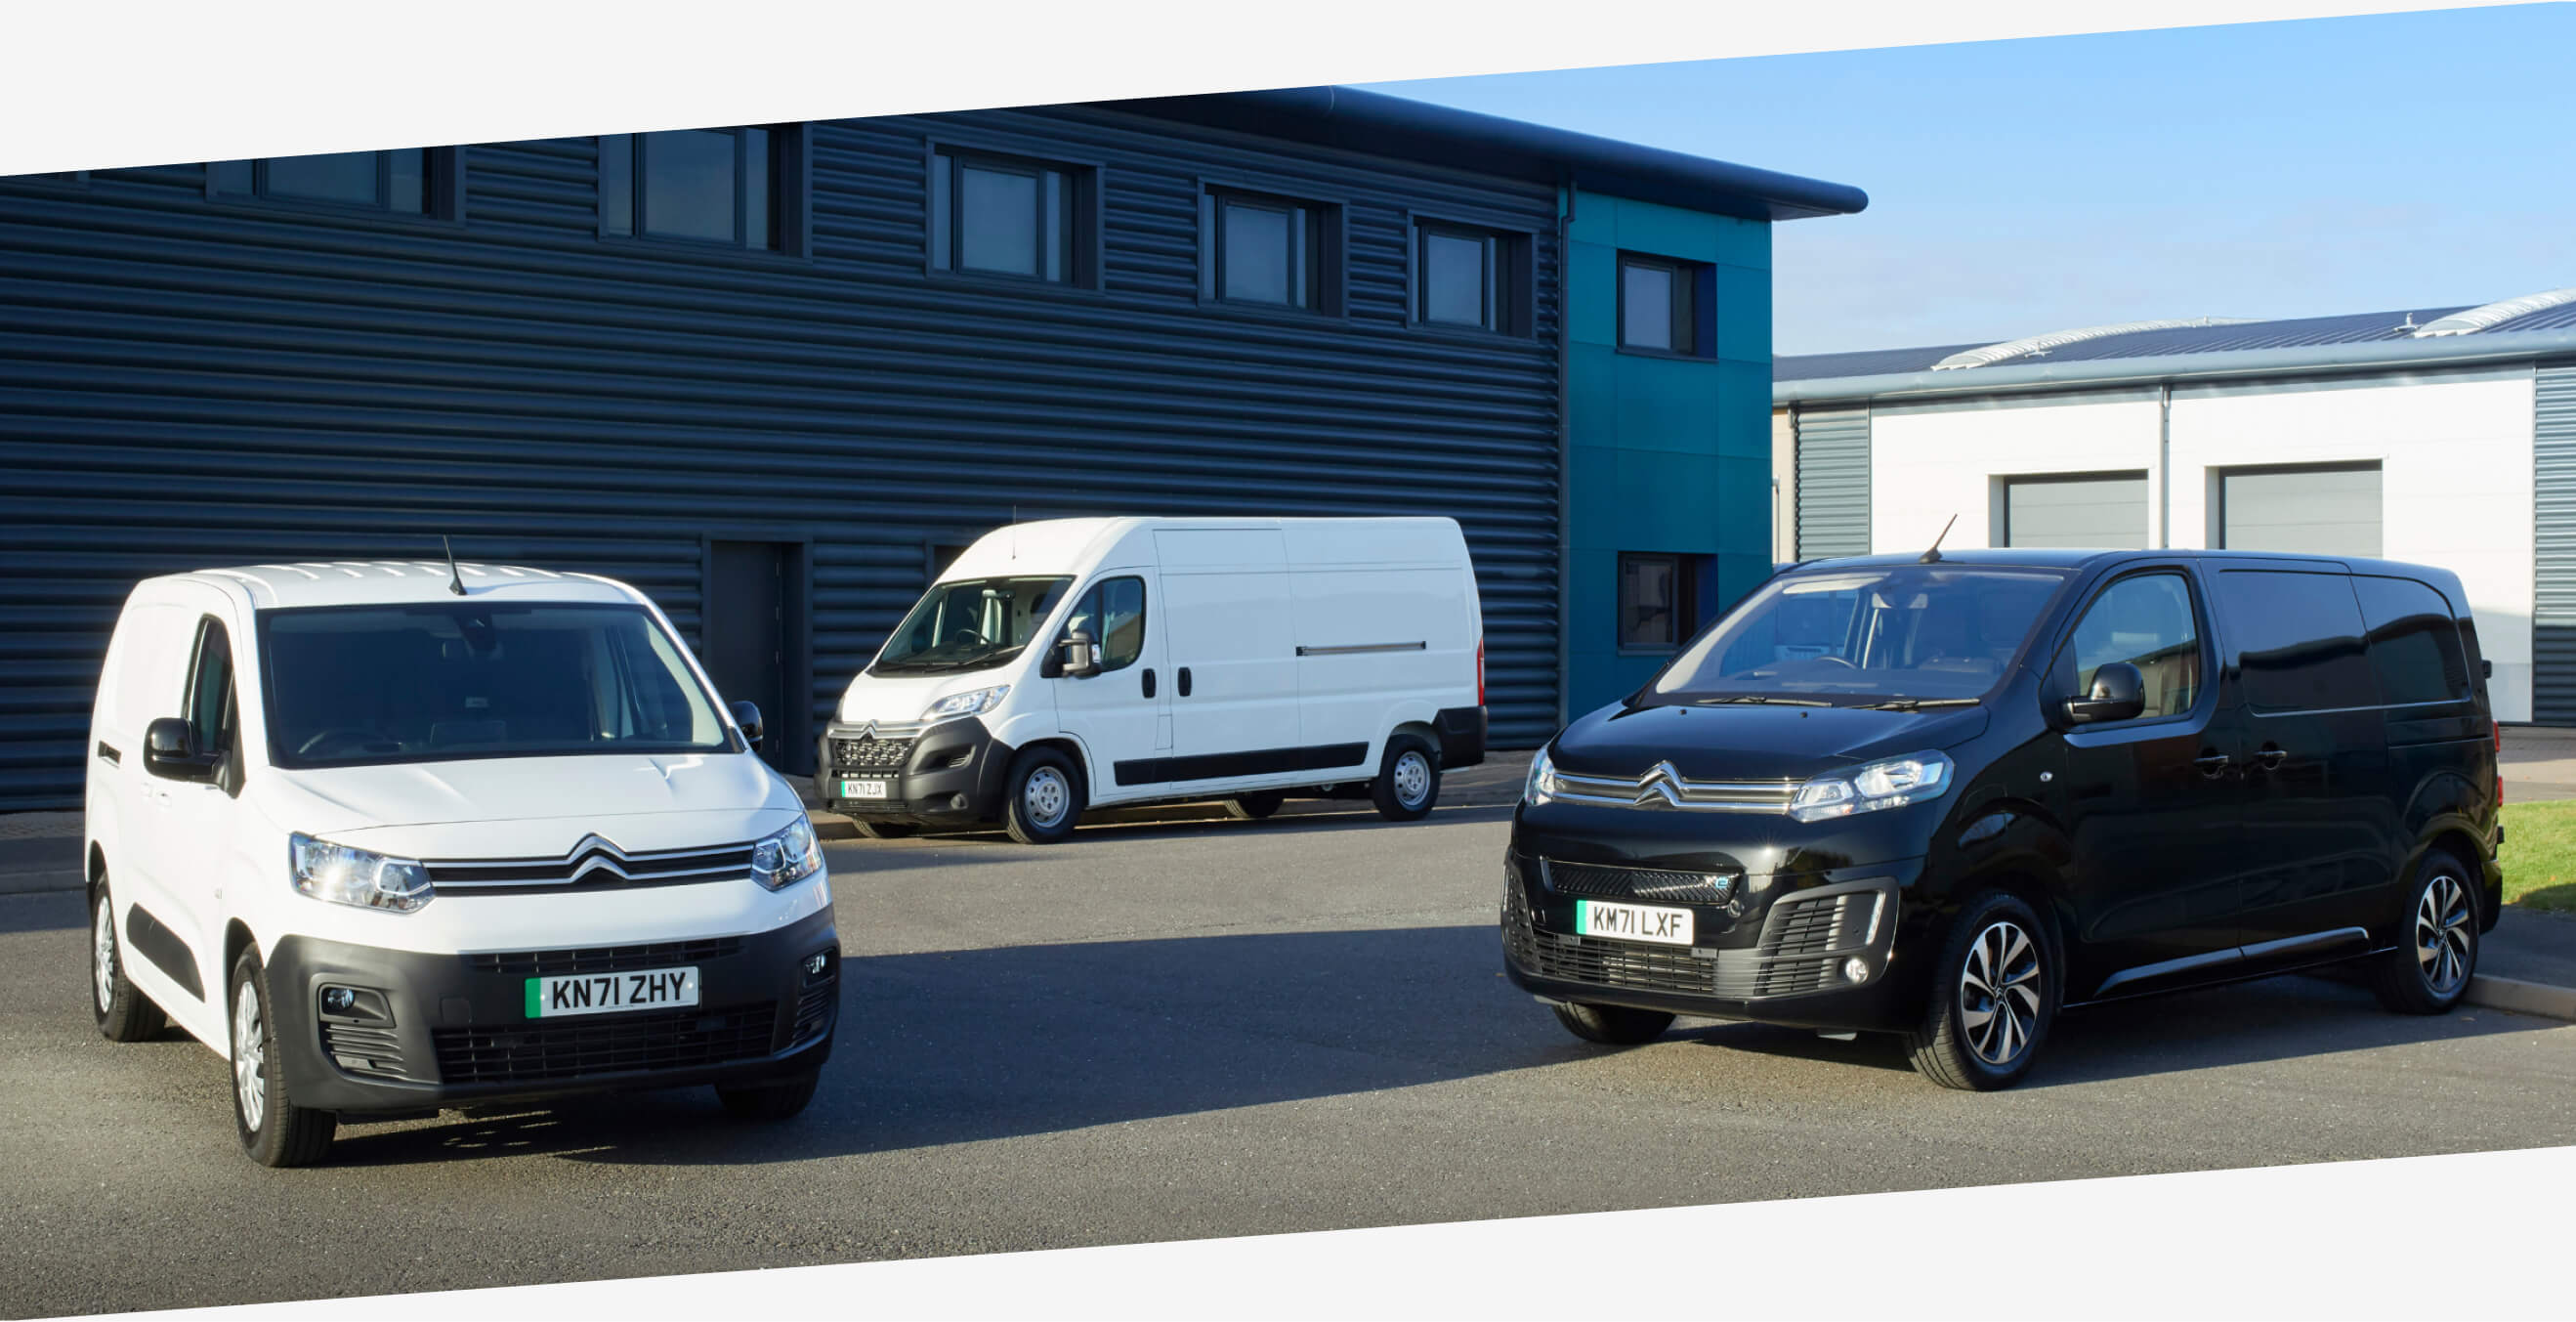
column 2095, row 510
column 2319, row 511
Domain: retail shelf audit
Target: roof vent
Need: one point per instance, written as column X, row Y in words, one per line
column 2495, row 314
column 2037, row 345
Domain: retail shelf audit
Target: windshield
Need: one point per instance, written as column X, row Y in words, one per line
column 349, row 685
column 1906, row 634
column 969, row 624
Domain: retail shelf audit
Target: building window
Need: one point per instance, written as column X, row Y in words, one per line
column 741, row 187
column 1470, row 277
column 1659, row 600
column 1661, row 305
column 996, row 215
column 419, row 181
column 1269, row 250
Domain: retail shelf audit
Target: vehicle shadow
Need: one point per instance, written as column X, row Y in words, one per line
column 1185, row 820
column 43, row 911
column 964, row 1046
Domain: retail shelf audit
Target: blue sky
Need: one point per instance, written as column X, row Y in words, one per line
column 2263, row 170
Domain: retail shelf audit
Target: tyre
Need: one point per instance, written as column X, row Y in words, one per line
column 1612, row 1025
column 123, row 1012
column 1255, row 806
column 884, row 830
column 775, row 1099
column 1042, row 797
column 1994, row 995
column 2437, row 952
column 1408, row 779
column 274, row 1130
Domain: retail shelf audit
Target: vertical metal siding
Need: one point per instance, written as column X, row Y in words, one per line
column 186, row 382
column 1833, row 480
column 2553, row 616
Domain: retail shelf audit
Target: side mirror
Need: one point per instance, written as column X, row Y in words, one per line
column 747, row 716
column 170, row 751
column 2119, row 693
column 1081, row 655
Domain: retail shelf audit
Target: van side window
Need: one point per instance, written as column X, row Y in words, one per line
column 2414, row 643
column 211, row 710
column 2147, row 622
column 1113, row 613
column 2298, row 639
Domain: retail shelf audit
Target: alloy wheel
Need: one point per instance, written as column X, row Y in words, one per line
column 1999, row 993
column 102, row 954
column 250, row 1057
column 2442, row 933
column 1412, row 778
column 1047, row 796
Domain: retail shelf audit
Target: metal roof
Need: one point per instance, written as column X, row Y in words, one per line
column 2211, row 335
column 1394, row 126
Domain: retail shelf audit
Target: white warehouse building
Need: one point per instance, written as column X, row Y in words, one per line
column 2445, row 436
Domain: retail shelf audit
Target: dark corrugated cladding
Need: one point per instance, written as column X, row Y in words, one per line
column 2553, row 615
column 187, row 383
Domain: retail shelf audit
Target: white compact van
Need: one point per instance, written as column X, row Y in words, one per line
column 397, row 836
column 1079, row 663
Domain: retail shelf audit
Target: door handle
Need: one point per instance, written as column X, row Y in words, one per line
column 2213, row 766
column 2270, row 759
column 1185, row 681
column 1149, row 681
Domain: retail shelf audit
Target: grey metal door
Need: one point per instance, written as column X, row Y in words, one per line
column 2318, row 510
column 2081, row 510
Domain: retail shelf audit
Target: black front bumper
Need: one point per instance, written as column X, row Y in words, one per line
column 947, row 774
column 1775, row 952
column 431, row 1031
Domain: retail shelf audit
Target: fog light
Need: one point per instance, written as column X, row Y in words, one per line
column 339, row 1000
column 1856, row 969
column 814, row 964
column 957, row 801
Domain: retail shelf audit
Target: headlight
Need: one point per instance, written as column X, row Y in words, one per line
column 1890, row 784
column 368, row 880
column 788, row 857
column 970, row 703
column 1541, row 785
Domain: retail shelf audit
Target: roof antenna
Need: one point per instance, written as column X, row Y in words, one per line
column 1933, row 556
column 455, row 578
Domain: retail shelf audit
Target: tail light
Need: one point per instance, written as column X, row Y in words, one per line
column 1480, row 677
column 2498, row 728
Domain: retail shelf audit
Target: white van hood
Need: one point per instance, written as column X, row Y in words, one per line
column 531, row 806
column 901, row 699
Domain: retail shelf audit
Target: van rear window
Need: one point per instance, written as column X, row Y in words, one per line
column 2414, row 642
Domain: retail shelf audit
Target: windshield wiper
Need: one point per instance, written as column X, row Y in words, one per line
column 1915, row 704
column 1761, row 700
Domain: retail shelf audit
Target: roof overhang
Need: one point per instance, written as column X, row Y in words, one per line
column 1392, row 126
column 2375, row 356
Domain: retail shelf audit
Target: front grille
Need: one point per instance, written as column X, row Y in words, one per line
column 1803, row 944
column 604, row 959
column 593, row 862
column 869, row 754
column 374, row 1052
column 1662, row 787
column 1639, row 883
column 662, row 1040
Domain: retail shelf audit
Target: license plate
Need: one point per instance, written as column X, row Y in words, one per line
column 607, row 993
column 863, row 789
column 1633, row 922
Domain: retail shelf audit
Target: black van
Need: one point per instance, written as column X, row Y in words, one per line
column 1947, row 796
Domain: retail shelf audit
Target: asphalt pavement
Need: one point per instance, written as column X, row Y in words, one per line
column 1168, row 1031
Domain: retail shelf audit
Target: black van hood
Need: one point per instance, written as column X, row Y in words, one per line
column 1745, row 742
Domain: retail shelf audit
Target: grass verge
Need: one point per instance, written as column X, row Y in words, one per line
column 2540, row 855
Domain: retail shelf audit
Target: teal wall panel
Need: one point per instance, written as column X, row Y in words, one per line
column 1665, row 454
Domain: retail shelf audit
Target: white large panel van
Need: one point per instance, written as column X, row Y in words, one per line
column 1078, row 663
column 392, row 837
